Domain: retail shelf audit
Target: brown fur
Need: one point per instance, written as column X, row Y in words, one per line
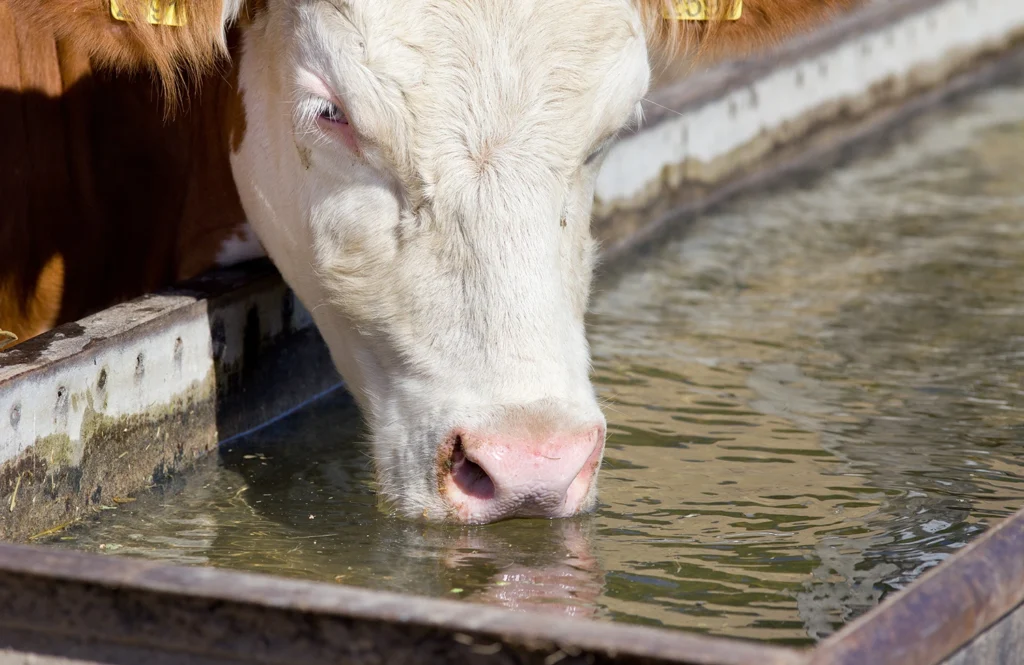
column 87, row 27
column 103, row 199
column 762, row 24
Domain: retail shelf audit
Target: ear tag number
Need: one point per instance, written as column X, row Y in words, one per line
column 158, row 12
column 701, row 10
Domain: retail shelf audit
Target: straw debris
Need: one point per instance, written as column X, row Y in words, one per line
column 7, row 337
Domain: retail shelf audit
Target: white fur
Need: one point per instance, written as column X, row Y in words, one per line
column 448, row 264
column 229, row 11
column 240, row 248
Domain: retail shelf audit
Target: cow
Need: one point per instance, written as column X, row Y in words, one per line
column 421, row 172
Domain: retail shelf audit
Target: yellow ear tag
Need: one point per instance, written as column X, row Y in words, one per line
column 701, row 10
column 158, row 12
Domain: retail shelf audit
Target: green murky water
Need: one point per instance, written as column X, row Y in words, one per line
column 812, row 398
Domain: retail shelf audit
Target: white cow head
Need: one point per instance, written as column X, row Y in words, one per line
column 422, row 173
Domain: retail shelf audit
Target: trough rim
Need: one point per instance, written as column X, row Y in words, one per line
column 898, row 631
column 691, row 93
column 266, row 591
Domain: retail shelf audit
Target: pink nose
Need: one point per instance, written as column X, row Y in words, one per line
column 489, row 477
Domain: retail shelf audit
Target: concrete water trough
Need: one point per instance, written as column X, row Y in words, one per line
column 121, row 400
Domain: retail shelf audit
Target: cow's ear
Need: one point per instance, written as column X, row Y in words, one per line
column 171, row 37
column 710, row 29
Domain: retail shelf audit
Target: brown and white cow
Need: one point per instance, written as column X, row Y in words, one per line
column 420, row 171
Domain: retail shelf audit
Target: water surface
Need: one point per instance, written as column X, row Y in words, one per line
column 813, row 397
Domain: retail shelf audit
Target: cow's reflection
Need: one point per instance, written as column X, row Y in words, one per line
column 566, row 579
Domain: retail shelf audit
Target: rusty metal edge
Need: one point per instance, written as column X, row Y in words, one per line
column 136, row 578
column 1002, row 642
column 943, row 610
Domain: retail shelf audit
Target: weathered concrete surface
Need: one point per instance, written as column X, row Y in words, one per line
column 96, row 410
column 11, row 657
column 708, row 137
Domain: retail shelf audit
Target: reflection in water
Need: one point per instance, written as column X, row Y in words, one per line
column 812, row 398
column 288, row 500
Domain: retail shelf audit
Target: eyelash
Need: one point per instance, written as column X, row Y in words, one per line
column 330, row 112
column 330, row 120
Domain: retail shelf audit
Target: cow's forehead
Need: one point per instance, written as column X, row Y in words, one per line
column 581, row 35
column 546, row 76
column 567, row 47
column 578, row 30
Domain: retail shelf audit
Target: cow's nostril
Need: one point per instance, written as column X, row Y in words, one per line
column 468, row 476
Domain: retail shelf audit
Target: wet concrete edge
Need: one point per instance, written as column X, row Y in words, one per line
column 810, row 156
column 94, row 411
column 699, row 173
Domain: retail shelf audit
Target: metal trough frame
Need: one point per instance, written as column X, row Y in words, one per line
column 111, row 404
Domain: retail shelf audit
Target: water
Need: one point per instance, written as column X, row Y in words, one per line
column 813, row 397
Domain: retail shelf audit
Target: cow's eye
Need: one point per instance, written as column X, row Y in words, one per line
column 333, row 121
column 331, row 113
